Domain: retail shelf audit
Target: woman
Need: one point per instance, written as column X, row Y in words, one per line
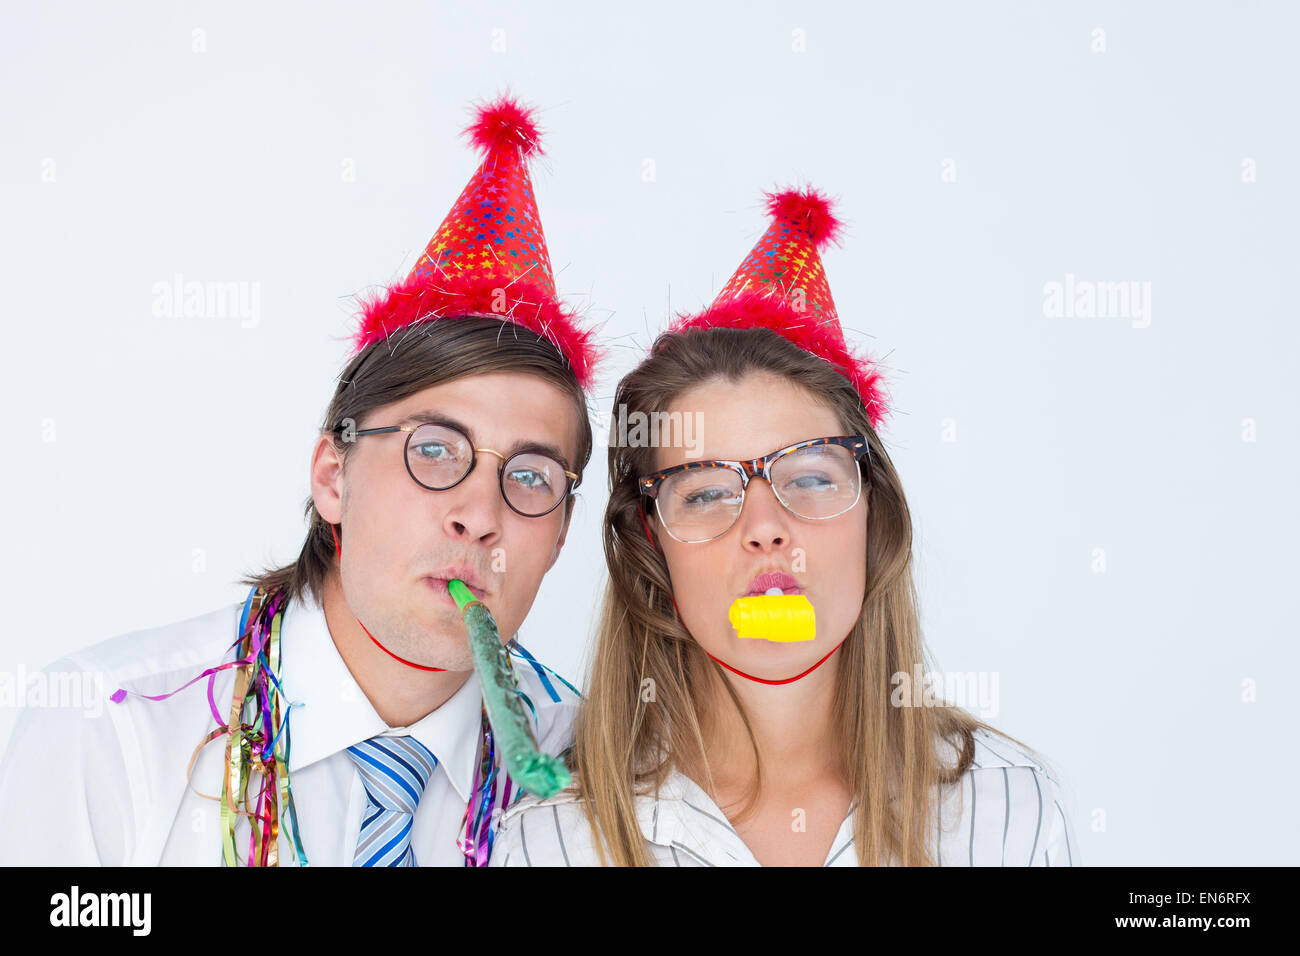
column 696, row 746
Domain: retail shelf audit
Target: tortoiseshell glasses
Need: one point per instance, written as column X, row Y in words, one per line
column 815, row 479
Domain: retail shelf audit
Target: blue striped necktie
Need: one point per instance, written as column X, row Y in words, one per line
column 394, row 771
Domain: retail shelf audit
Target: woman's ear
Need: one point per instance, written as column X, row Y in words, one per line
column 640, row 508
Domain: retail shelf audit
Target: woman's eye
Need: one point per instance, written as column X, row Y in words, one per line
column 708, row 496
column 809, row 481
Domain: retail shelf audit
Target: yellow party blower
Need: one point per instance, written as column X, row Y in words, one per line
column 774, row 617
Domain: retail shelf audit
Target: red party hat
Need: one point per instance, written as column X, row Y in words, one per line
column 488, row 258
column 782, row 286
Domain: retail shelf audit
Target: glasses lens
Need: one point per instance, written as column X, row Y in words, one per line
column 820, row 481
column 699, row 503
column 534, row 484
column 438, row 456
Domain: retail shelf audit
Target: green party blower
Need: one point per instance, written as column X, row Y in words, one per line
column 528, row 767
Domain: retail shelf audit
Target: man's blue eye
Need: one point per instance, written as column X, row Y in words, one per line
column 432, row 450
column 530, row 479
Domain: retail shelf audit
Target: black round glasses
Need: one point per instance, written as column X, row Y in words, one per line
column 439, row 457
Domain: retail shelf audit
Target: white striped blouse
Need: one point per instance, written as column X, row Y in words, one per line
column 1006, row 810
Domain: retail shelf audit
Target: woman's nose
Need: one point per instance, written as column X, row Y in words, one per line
column 765, row 521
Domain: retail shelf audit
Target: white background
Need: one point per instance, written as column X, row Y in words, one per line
column 135, row 440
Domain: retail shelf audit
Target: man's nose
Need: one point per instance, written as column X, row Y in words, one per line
column 475, row 512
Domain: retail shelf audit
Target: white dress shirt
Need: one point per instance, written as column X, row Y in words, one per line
column 106, row 784
column 1006, row 810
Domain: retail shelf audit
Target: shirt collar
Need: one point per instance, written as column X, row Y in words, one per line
column 682, row 816
column 334, row 713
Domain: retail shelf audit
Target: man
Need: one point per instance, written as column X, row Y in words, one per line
column 342, row 723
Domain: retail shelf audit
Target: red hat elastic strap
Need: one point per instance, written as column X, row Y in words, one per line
column 339, row 551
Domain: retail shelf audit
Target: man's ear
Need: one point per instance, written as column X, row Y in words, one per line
column 564, row 533
column 327, row 479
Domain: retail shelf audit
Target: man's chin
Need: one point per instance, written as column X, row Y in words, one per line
column 436, row 644
column 441, row 653
column 437, row 662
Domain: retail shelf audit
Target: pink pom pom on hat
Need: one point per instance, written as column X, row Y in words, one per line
column 489, row 256
column 782, row 286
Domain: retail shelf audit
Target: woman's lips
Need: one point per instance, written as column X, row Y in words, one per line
column 773, row 582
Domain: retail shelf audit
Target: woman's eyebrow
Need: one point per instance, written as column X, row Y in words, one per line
column 519, row 447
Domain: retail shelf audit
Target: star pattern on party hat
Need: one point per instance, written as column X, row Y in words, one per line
column 781, row 285
column 488, row 257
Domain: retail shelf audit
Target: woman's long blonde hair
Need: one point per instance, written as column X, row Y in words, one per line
column 627, row 741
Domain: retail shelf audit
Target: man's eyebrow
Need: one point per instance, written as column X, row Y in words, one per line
column 518, row 448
